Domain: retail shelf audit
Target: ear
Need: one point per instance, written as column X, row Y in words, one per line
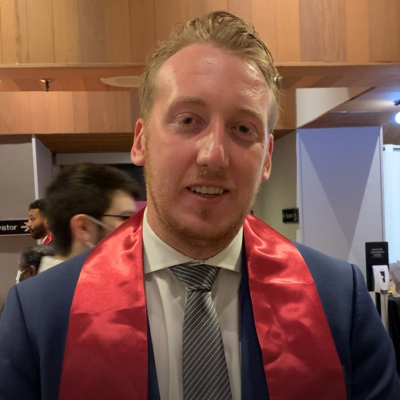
column 46, row 224
column 268, row 159
column 138, row 156
column 32, row 270
column 82, row 229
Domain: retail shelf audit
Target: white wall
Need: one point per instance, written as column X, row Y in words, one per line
column 313, row 102
column 16, row 193
column 391, row 174
column 340, row 190
column 43, row 167
column 96, row 158
column 280, row 191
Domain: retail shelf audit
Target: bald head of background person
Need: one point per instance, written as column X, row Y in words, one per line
column 86, row 203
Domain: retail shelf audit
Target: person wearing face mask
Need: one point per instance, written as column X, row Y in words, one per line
column 86, row 202
column 30, row 261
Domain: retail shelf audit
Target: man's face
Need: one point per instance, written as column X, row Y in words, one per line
column 37, row 224
column 206, row 148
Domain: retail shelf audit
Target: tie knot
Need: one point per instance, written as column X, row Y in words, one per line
column 195, row 276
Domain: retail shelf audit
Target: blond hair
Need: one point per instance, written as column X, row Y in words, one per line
column 225, row 31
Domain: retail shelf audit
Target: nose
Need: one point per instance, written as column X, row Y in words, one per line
column 213, row 147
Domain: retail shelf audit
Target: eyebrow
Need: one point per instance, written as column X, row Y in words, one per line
column 240, row 109
column 189, row 100
column 252, row 111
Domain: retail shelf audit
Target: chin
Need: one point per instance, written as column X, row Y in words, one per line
column 204, row 230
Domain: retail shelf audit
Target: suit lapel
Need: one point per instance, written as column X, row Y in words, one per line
column 254, row 385
column 153, row 390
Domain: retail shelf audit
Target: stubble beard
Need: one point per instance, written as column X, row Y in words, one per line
column 187, row 238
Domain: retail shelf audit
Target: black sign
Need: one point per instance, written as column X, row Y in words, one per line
column 376, row 253
column 290, row 215
column 14, row 227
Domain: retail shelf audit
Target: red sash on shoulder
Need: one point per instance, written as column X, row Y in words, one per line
column 106, row 348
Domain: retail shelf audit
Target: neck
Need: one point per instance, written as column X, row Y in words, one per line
column 201, row 251
column 76, row 248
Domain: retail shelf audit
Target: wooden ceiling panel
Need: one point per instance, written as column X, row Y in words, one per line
column 338, row 119
column 87, row 78
column 87, row 143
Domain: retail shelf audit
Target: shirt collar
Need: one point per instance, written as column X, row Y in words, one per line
column 159, row 255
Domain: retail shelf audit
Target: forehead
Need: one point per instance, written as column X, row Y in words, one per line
column 34, row 212
column 205, row 68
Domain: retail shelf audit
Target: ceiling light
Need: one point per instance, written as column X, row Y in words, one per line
column 122, row 81
column 47, row 82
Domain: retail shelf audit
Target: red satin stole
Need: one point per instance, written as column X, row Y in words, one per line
column 106, row 348
column 48, row 238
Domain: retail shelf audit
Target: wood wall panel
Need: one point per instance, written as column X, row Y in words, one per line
column 117, row 31
column 40, row 33
column 288, row 31
column 14, row 113
column 311, row 30
column 52, row 112
column 124, row 31
column 143, row 28
column 66, row 32
column 357, row 30
column 190, row 9
column 384, row 38
column 241, row 8
column 81, row 112
column 92, row 39
column 65, row 112
column 167, row 14
column 215, row 5
column 265, row 23
column 14, row 33
column 334, row 30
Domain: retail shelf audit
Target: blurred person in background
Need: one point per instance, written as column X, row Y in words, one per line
column 86, row 203
column 37, row 222
column 30, row 261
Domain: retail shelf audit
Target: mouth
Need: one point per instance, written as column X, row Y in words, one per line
column 207, row 191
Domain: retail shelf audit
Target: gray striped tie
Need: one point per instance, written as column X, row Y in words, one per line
column 205, row 375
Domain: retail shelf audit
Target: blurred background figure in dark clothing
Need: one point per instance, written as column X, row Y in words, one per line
column 86, row 202
column 30, row 261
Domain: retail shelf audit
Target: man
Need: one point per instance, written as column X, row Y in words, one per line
column 194, row 298
column 37, row 222
column 30, row 260
column 86, row 203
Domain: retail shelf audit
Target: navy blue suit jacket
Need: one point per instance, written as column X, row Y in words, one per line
column 34, row 324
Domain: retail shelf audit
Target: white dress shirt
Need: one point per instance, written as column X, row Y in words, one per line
column 48, row 262
column 165, row 299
